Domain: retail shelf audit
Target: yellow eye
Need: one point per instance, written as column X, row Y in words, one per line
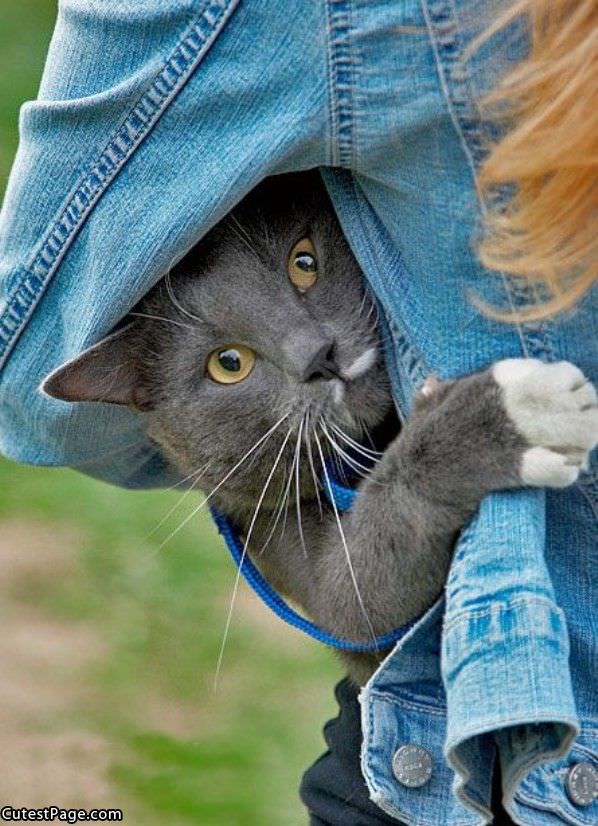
column 303, row 265
column 231, row 364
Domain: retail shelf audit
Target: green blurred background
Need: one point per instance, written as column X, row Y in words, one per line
column 109, row 644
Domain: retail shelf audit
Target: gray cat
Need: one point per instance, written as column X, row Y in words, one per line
column 263, row 343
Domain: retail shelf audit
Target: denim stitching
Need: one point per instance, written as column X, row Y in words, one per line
column 407, row 353
column 377, row 795
column 461, row 788
column 414, row 706
column 541, row 715
column 589, row 490
column 467, row 614
column 410, row 360
column 331, row 145
column 175, row 72
column 341, row 80
column 552, row 804
column 553, row 807
column 454, row 78
column 536, row 762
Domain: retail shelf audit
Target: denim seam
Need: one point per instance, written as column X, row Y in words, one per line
column 388, row 340
column 553, row 808
column 410, row 359
column 463, row 616
column 414, row 706
column 341, row 79
column 551, row 803
column 578, row 750
column 462, row 778
column 332, row 147
column 406, row 353
column 375, row 792
column 537, row 717
column 442, row 21
column 414, row 366
column 535, row 761
column 589, row 491
column 176, row 70
column 527, row 767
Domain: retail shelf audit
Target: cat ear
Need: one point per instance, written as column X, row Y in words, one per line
column 103, row 373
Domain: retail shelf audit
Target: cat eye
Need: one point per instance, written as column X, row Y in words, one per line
column 230, row 364
column 303, row 265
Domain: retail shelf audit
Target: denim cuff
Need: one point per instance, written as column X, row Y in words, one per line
column 493, row 684
column 403, row 703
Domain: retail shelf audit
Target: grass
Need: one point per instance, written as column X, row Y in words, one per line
column 24, row 36
column 158, row 616
column 177, row 751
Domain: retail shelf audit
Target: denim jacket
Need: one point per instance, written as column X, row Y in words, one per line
column 153, row 119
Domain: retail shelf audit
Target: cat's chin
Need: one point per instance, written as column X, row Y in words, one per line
column 363, row 407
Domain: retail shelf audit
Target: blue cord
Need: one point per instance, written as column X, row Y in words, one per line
column 343, row 497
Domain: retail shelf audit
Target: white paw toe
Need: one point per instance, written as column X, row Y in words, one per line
column 560, row 375
column 509, row 371
column 586, row 396
column 541, row 467
column 551, row 405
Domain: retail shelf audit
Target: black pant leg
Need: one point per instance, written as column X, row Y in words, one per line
column 333, row 789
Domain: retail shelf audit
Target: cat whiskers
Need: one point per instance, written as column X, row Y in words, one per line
column 344, row 541
column 176, row 303
column 354, row 464
column 310, row 459
column 366, row 452
column 284, row 499
column 372, row 456
column 368, row 435
column 248, row 537
column 242, row 235
column 364, row 298
column 162, row 318
column 204, row 501
column 373, row 309
column 198, row 474
column 298, row 488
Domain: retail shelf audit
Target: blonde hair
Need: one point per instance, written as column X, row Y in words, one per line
column 546, row 232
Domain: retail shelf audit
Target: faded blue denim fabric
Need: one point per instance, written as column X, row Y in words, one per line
column 154, row 118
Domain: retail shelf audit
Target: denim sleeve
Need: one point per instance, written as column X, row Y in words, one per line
column 153, row 119
column 499, row 670
column 506, row 686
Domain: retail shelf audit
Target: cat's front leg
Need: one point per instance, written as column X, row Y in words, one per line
column 519, row 423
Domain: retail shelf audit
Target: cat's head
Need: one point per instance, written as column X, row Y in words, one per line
column 265, row 321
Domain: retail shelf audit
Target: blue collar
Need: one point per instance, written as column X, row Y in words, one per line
column 342, row 497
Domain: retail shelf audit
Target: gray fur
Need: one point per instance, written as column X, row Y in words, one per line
column 458, row 445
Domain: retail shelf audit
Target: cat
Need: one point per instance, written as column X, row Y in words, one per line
column 259, row 358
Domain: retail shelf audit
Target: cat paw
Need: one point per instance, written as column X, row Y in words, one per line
column 555, row 408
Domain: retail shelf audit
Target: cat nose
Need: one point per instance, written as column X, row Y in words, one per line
column 323, row 364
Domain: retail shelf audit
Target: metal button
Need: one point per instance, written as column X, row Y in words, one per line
column 582, row 784
column 412, row 766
